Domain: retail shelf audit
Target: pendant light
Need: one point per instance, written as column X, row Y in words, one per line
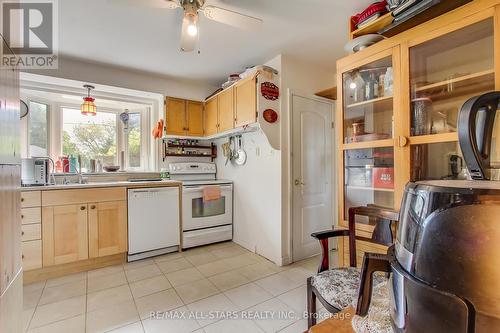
column 88, row 107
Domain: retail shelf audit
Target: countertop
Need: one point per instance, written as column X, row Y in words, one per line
column 127, row 184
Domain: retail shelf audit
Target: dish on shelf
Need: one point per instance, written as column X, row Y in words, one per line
column 362, row 42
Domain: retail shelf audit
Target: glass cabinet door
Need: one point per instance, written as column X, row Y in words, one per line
column 368, row 102
column 444, row 73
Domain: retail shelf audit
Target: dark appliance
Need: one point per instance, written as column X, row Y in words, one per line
column 444, row 270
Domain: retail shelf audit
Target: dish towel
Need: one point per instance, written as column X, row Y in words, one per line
column 211, row 193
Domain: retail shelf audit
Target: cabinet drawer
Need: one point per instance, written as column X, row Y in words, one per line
column 31, row 199
column 31, row 215
column 79, row 196
column 31, row 232
column 32, row 254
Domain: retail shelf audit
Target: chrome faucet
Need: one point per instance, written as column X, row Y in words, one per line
column 81, row 180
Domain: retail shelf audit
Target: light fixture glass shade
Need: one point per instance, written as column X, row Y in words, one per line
column 88, row 107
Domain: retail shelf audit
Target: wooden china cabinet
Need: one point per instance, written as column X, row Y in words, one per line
column 397, row 108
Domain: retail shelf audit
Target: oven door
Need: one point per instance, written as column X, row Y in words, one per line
column 197, row 214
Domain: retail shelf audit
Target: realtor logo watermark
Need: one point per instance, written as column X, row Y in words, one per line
column 30, row 28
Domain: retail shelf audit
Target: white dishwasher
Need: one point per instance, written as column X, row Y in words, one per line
column 153, row 222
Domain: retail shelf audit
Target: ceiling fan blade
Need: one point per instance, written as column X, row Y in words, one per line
column 229, row 17
column 188, row 42
column 165, row 4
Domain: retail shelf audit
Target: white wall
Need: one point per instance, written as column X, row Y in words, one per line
column 126, row 78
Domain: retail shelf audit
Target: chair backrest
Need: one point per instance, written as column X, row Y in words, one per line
column 383, row 219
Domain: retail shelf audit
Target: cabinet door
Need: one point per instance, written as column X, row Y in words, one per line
column 246, row 103
column 211, row 116
column 107, row 228
column 176, row 116
column 64, row 234
column 226, row 110
column 194, row 111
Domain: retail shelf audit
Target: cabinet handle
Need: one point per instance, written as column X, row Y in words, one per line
column 92, row 207
column 22, row 199
column 22, row 256
column 403, row 141
column 22, row 216
column 82, row 208
column 22, row 233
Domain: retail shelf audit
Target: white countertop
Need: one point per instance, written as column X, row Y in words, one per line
column 128, row 184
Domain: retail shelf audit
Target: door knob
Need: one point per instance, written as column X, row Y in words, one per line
column 298, row 182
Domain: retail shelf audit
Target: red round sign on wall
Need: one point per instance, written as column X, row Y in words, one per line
column 270, row 115
column 270, row 91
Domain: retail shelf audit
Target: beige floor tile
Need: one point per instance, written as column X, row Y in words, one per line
column 108, row 297
column 206, row 307
column 242, row 260
column 214, row 268
column 194, row 251
column 139, row 263
column 50, row 313
column 37, row 286
column 31, row 297
column 27, row 315
column 277, row 284
column 133, row 328
column 232, row 326
column 193, row 292
column 101, row 282
column 297, row 274
column 296, row 299
column 171, row 325
column 258, row 271
column 220, row 245
column 162, row 301
column 248, row 295
column 62, row 292
column 283, row 315
column 142, row 273
column 66, row 279
column 228, row 280
column 73, row 325
column 227, row 252
column 113, row 317
column 105, row 271
column 174, row 265
column 149, row 286
column 184, row 276
column 168, row 257
column 202, row 258
column 298, row 326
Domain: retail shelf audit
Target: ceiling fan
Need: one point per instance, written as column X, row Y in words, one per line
column 192, row 9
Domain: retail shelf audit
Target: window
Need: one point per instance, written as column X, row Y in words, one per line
column 91, row 137
column 134, row 140
column 38, row 129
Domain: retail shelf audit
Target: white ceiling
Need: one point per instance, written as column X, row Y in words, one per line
column 146, row 39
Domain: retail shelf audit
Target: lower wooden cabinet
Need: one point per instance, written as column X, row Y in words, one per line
column 32, row 254
column 107, row 228
column 64, row 234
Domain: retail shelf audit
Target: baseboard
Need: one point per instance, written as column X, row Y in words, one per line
column 51, row 272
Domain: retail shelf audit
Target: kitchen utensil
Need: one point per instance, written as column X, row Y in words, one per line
column 111, row 168
column 421, row 109
column 362, row 42
column 241, row 155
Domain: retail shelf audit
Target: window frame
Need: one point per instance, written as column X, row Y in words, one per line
column 55, row 131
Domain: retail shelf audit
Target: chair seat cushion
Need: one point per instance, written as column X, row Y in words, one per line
column 339, row 286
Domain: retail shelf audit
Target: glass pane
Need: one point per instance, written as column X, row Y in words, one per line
column 368, row 104
column 208, row 208
column 437, row 161
column 369, row 178
column 446, row 72
column 134, row 140
column 92, row 137
column 38, row 137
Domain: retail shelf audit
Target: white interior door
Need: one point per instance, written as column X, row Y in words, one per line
column 312, row 173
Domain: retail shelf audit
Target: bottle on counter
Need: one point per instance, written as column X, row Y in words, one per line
column 73, row 164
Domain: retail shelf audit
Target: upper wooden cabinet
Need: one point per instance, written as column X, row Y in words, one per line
column 107, row 228
column 64, row 234
column 212, row 116
column 184, row 118
column 245, row 95
column 226, row 110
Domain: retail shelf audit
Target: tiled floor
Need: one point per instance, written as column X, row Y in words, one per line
column 218, row 288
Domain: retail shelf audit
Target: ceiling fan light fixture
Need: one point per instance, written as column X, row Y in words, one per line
column 192, row 27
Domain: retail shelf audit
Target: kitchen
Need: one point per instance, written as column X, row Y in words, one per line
column 194, row 176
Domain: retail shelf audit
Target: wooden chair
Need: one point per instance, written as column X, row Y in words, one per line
column 337, row 288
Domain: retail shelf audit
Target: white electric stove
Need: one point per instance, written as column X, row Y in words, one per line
column 203, row 222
